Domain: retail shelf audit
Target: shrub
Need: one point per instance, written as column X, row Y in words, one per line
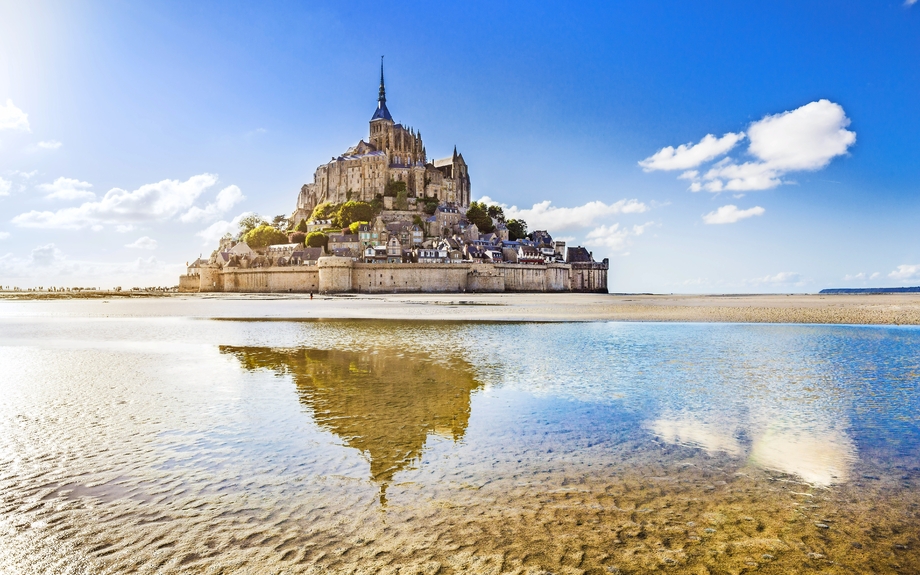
column 297, row 237
column 302, row 226
column 393, row 188
column 317, row 240
column 402, row 201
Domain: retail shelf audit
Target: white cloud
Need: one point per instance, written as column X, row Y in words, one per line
column 852, row 277
column 150, row 202
column 46, row 255
column 212, row 234
column 910, row 2
column 804, row 139
column 124, row 228
column 780, row 278
column 614, row 238
column 26, row 175
column 545, row 216
column 5, row 186
column 50, row 145
column 730, row 214
column 691, row 155
column 225, row 200
column 144, row 243
column 906, row 272
column 12, row 118
column 67, row 189
column 4, row 235
column 48, row 266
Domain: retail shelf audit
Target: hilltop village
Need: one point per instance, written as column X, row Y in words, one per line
column 383, row 217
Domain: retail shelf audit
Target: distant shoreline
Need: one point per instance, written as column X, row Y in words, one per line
column 860, row 309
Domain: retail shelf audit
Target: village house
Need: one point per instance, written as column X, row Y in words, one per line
column 394, row 251
column 349, row 242
column 281, row 250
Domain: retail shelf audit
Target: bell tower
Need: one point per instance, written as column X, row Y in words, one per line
column 382, row 121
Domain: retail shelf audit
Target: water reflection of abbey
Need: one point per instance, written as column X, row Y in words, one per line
column 385, row 404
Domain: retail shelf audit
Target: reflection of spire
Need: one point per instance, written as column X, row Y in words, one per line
column 384, row 404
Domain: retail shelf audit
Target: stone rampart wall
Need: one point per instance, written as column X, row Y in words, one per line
column 389, row 278
column 342, row 275
column 189, row 284
column 295, row 279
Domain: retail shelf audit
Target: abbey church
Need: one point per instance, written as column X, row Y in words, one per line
column 393, row 153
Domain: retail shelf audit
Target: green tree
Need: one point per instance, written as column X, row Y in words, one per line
column 324, row 211
column 479, row 215
column 302, row 226
column 517, row 229
column 297, row 238
column 249, row 223
column 402, row 200
column 264, row 236
column 281, row 222
column 317, row 240
column 393, row 188
column 353, row 228
column 417, row 220
column 496, row 212
column 430, row 205
column 355, row 212
column 377, row 204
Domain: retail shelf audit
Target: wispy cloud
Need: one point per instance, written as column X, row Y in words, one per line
column 691, row 155
column 143, row 243
column 545, row 216
column 804, row 139
column 730, row 214
column 5, row 186
column 782, row 278
column 614, row 238
column 151, row 202
column 861, row 276
column 212, row 234
column 225, row 200
column 49, row 265
column 50, row 145
column 67, row 189
column 906, row 272
column 12, row 118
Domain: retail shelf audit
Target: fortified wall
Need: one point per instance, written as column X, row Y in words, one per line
column 343, row 275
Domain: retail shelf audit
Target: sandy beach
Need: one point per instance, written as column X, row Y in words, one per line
column 885, row 309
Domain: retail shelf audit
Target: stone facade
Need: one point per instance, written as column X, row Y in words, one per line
column 343, row 275
column 393, row 153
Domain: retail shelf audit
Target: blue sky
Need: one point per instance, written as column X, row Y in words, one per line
column 119, row 119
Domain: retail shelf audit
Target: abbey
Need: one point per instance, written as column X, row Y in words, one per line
column 393, row 153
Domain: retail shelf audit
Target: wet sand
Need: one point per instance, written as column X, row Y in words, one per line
column 883, row 309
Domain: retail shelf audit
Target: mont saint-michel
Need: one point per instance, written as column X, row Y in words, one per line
column 383, row 217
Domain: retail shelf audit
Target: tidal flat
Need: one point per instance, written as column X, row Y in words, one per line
column 155, row 436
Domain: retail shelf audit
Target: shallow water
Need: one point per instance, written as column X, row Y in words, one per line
column 160, row 445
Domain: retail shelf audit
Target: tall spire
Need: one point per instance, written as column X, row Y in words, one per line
column 382, row 98
column 382, row 113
